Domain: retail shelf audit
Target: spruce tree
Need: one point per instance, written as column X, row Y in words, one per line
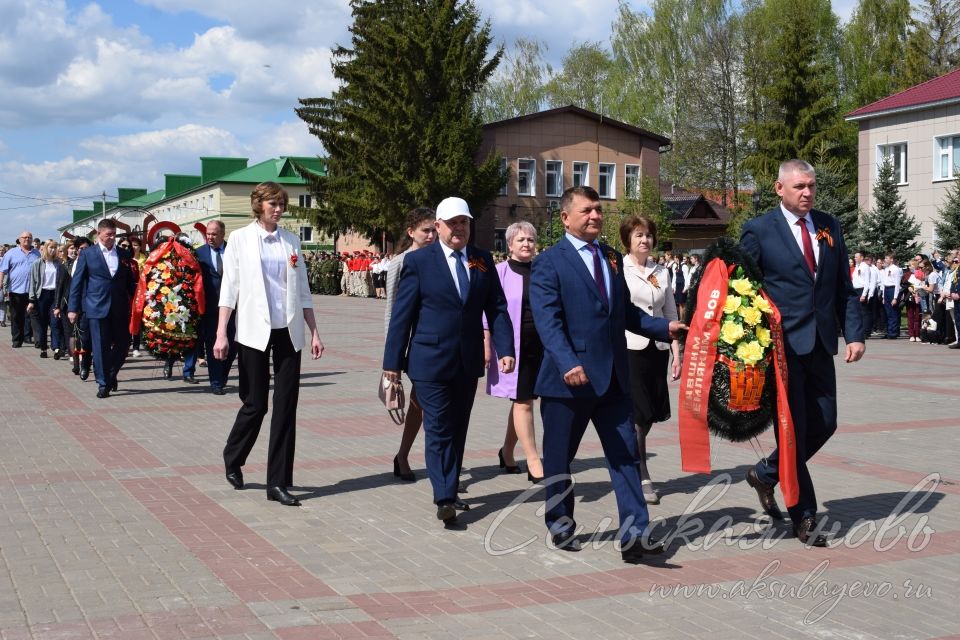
column 948, row 226
column 403, row 129
column 888, row 228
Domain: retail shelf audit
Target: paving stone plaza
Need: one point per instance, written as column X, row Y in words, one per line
column 116, row 521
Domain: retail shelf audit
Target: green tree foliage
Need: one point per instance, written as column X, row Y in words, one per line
column 801, row 106
column 933, row 43
column 874, row 50
column 519, row 85
column 837, row 193
column 948, row 225
column 582, row 79
column 403, row 129
column 888, row 228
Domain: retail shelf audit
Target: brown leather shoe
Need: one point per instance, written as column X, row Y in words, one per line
column 805, row 533
column 765, row 492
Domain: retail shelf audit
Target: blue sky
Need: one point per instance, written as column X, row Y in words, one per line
column 101, row 95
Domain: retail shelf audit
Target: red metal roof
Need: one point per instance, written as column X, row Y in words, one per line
column 941, row 90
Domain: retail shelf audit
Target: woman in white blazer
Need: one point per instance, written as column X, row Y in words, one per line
column 649, row 285
column 265, row 281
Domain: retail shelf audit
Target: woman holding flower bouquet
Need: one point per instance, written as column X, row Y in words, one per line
column 265, row 281
column 650, row 290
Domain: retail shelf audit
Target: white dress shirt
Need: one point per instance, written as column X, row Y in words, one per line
column 49, row 276
column 452, row 263
column 795, row 230
column 273, row 261
column 875, row 289
column 861, row 278
column 890, row 277
column 110, row 255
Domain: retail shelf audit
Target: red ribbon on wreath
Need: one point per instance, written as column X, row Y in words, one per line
column 697, row 376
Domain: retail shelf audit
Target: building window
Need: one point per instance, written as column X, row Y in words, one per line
column 946, row 156
column 632, row 181
column 606, row 186
column 306, row 233
column 554, row 178
column 305, row 201
column 526, row 177
column 897, row 154
column 500, row 240
column 504, row 174
column 581, row 174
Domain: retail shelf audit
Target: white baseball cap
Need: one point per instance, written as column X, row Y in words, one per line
column 452, row 207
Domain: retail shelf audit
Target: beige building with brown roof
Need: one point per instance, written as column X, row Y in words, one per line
column 549, row 151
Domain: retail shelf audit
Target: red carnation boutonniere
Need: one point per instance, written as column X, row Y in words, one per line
column 612, row 259
column 293, row 260
column 824, row 234
column 477, row 263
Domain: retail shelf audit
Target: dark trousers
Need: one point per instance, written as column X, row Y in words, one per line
column 218, row 370
column 446, row 408
column 565, row 421
column 893, row 313
column 18, row 316
column 879, row 313
column 866, row 313
column 812, row 393
column 254, row 390
column 109, row 340
column 40, row 317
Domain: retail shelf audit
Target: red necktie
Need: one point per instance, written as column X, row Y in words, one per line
column 807, row 246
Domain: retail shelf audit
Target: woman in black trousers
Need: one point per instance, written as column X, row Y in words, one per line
column 265, row 279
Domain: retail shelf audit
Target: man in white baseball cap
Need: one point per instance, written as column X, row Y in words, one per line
column 436, row 333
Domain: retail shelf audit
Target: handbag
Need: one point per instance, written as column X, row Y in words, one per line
column 393, row 398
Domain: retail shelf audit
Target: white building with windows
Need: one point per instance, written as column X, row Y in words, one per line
column 919, row 130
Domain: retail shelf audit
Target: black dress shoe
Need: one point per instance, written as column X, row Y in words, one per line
column 103, row 392
column 506, row 467
column 532, row 478
column 279, row 494
column 43, row 353
column 218, row 391
column 168, row 370
column 113, row 385
column 76, row 369
column 765, row 492
column 806, row 533
column 406, row 476
column 190, row 380
column 16, row 345
column 57, row 353
column 566, row 541
column 634, row 552
column 446, row 512
column 235, row 478
column 460, row 505
column 84, row 373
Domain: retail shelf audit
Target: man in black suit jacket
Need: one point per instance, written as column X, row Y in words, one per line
column 103, row 284
column 436, row 335
column 210, row 257
column 805, row 271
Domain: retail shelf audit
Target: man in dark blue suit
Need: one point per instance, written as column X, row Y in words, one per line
column 210, row 257
column 581, row 307
column 803, row 258
column 436, row 335
column 103, row 284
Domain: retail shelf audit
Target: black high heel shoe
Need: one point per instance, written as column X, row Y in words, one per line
column 406, row 477
column 507, row 468
column 534, row 479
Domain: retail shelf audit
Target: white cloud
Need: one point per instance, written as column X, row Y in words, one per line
column 286, row 139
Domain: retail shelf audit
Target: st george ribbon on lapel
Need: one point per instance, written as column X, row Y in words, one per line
column 462, row 276
column 598, row 274
column 807, row 245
